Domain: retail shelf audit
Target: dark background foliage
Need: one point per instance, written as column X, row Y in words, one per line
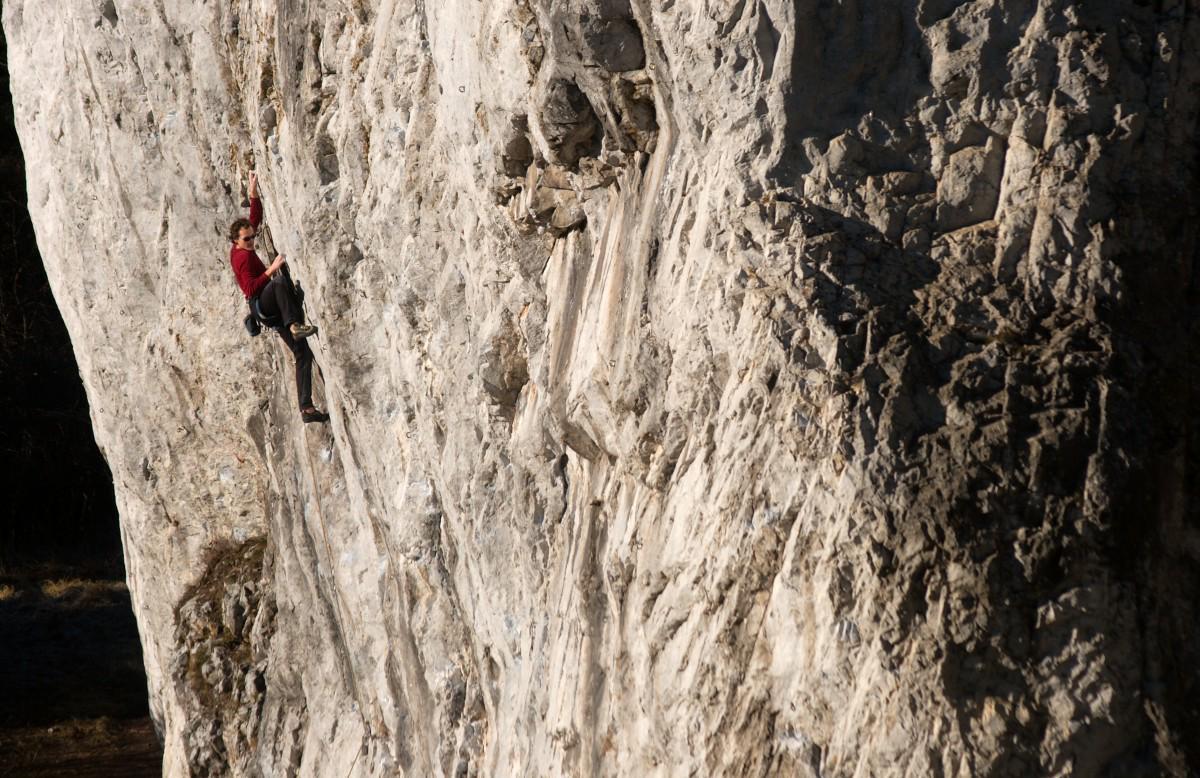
column 56, row 495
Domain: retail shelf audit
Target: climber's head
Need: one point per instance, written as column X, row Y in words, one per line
column 242, row 233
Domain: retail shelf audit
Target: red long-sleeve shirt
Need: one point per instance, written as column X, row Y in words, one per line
column 251, row 274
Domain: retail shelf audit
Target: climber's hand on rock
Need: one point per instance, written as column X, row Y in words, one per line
column 252, row 186
column 278, row 263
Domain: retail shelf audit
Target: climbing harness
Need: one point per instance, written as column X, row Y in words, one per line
column 257, row 319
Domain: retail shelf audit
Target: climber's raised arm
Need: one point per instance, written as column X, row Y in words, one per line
column 256, row 211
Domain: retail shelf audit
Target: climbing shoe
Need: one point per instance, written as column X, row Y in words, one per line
column 301, row 331
column 311, row 415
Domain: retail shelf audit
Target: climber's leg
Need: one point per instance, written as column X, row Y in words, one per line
column 304, row 362
column 277, row 300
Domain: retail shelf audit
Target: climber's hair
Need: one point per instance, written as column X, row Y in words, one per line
column 235, row 229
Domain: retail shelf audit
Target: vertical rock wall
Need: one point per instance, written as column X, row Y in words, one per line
column 723, row 388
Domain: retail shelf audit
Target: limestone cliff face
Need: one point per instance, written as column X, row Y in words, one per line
column 717, row 388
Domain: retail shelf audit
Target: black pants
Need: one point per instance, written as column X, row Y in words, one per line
column 277, row 299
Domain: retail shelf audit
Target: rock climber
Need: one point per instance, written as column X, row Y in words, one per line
column 276, row 298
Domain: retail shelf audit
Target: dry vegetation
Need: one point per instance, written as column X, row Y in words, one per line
column 71, row 656
column 82, row 748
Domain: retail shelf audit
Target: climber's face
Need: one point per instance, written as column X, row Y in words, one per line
column 246, row 238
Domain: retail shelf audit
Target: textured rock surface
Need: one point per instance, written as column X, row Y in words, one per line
column 719, row 388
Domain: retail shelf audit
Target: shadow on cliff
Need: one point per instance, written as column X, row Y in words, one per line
column 1038, row 447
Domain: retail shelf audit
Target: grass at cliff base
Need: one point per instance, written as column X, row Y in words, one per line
column 82, row 748
column 72, row 679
